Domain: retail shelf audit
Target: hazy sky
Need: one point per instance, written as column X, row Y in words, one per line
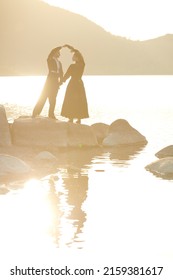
column 133, row 19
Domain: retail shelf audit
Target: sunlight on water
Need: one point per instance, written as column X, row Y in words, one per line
column 100, row 200
column 28, row 216
column 111, row 91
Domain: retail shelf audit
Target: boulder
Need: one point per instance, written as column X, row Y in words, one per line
column 45, row 132
column 161, row 167
column 165, row 152
column 100, row 130
column 41, row 132
column 10, row 165
column 81, row 136
column 121, row 132
column 5, row 136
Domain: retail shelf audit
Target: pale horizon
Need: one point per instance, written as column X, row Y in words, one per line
column 146, row 20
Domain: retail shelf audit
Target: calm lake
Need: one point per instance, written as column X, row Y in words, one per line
column 101, row 201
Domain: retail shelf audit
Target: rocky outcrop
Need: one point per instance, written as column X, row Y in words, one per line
column 10, row 165
column 165, row 152
column 5, row 137
column 121, row 132
column 162, row 167
column 45, row 132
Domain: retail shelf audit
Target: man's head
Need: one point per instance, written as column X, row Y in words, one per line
column 56, row 52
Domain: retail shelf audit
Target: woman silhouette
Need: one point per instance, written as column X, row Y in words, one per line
column 75, row 103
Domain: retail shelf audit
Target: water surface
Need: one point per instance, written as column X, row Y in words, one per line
column 98, row 200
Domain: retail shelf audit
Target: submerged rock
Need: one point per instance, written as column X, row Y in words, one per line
column 121, row 132
column 45, row 156
column 12, row 165
column 5, row 136
column 165, row 152
column 162, row 167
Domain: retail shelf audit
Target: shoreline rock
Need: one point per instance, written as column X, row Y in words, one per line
column 45, row 132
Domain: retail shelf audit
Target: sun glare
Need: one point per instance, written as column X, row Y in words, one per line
column 26, row 92
column 37, row 214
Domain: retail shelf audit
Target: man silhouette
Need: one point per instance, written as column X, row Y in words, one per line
column 51, row 85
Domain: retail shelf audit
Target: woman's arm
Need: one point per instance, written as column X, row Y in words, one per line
column 68, row 73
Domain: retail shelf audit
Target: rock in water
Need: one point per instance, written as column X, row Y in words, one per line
column 12, row 165
column 162, row 167
column 165, row 152
column 121, row 132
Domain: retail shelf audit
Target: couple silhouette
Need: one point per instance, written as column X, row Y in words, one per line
column 75, row 103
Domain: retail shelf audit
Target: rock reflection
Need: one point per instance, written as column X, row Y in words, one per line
column 121, row 154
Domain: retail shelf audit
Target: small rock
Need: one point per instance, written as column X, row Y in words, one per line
column 45, row 155
column 165, row 152
column 12, row 165
column 162, row 167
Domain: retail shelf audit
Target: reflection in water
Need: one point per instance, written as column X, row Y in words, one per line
column 77, row 185
column 69, row 227
column 121, row 154
column 66, row 214
column 54, row 206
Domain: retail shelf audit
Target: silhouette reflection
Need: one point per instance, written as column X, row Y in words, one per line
column 67, row 214
column 76, row 185
column 67, row 199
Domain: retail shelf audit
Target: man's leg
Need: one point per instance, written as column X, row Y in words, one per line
column 52, row 104
column 39, row 106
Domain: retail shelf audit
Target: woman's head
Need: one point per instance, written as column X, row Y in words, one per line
column 77, row 56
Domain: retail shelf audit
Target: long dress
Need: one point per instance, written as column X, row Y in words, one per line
column 75, row 102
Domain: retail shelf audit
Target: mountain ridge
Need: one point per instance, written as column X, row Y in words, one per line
column 30, row 29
